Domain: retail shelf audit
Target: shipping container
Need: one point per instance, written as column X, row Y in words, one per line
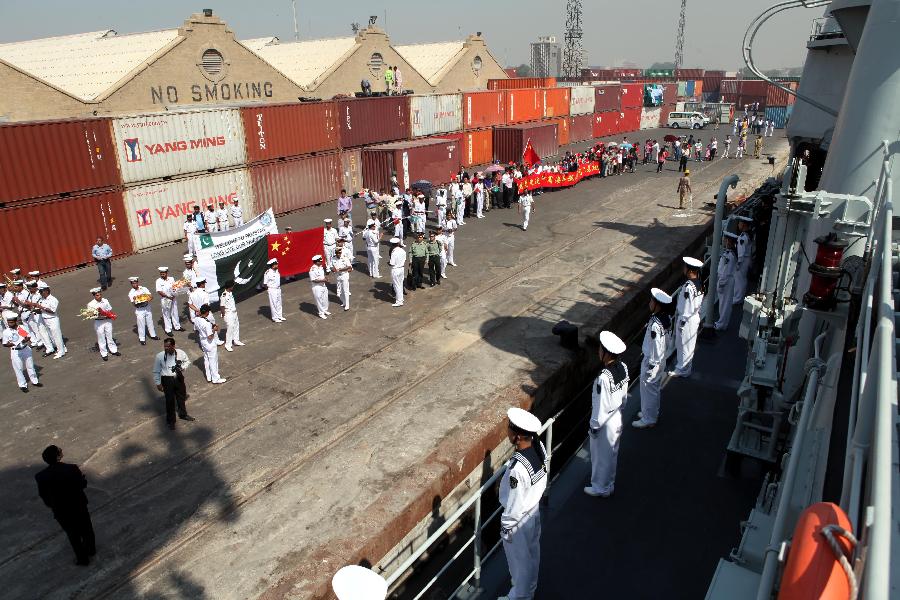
column 431, row 159
column 650, row 117
column 289, row 185
column 282, row 130
column 779, row 115
column 689, row 88
column 156, row 211
column 178, row 142
column 521, row 83
column 606, row 124
column 562, row 130
column 626, row 73
column 597, row 73
column 669, row 92
column 689, row 73
column 351, row 171
column 632, row 95
column 581, row 128
column 698, row 88
column 50, row 158
column 58, row 234
column 478, row 147
column 510, row 141
column 607, row 97
column 524, row 105
column 435, row 113
column 366, row 121
column 663, row 73
column 581, row 100
column 751, row 87
column 775, row 96
column 556, row 102
column 681, row 88
column 630, row 119
column 484, row 109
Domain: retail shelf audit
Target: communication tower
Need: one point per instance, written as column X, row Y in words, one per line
column 679, row 38
column 573, row 55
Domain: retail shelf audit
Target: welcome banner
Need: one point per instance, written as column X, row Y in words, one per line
column 539, row 181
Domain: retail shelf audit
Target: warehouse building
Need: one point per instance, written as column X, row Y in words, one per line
column 454, row 66
column 104, row 73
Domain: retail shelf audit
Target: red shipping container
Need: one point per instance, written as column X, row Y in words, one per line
column 478, row 147
column 606, row 124
column 366, row 121
column 49, row 158
column 775, row 96
column 581, row 128
column 748, row 87
column 599, row 74
column 510, row 141
column 630, row 119
column 607, row 97
column 67, row 227
column 683, row 74
column 483, row 109
column 280, row 130
column 562, row 130
column 288, row 185
column 556, row 102
column 519, row 83
column 432, row 159
column 632, row 95
column 670, row 90
column 626, row 73
column 524, row 105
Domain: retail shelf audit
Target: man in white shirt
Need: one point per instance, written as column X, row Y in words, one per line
column 687, row 317
column 211, row 219
column 222, row 217
column 653, row 363
column 398, row 268
column 16, row 339
column 450, row 233
column 141, row 298
column 441, row 238
column 608, row 397
column 197, row 298
column 440, row 204
column 397, row 220
column 467, row 191
column 506, row 183
column 272, row 283
column 525, row 205
column 418, row 214
column 208, row 335
column 49, row 307
column 103, row 324
column 457, row 198
column 479, row 197
column 228, row 309
column 329, row 240
column 237, row 213
column 168, row 375
column 342, row 267
column 371, row 238
column 320, row 291
column 345, row 232
column 165, row 290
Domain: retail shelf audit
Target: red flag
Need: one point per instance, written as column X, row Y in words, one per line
column 295, row 250
column 529, row 156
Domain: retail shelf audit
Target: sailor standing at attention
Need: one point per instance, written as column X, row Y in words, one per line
column 228, row 308
column 743, row 259
column 103, row 324
column 371, row 238
column 272, row 283
column 345, row 232
column 342, row 267
column 329, row 239
column 319, row 289
column 687, row 317
column 164, row 288
column 237, row 213
column 725, row 282
column 222, row 217
column 607, row 400
column 208, row 336
column 49, row 307
column 441, row 205
column 653, row 362
column 140, row 297
column 397, row 220
column 521, row 489
column 398, row 267
column 525, row 204
column 450, row 233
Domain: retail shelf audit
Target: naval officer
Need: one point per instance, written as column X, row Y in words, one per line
column 725, row 282
column 608, row 397
column 372, row 237
column 140, row 297
column 742, row 249
column 16, row 339
column 319, row 290
column 165, row 289
column 397, row 262
column 103, row 324
column 687, row 316
column 653, row 362
column 272, row 283
column 521, row 489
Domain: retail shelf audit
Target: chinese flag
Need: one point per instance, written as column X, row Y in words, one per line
column 529, row 156
column 295, row 250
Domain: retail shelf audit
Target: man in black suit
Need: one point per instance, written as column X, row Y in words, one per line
column 61, row 487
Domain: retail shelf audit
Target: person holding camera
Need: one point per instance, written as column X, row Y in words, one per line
column 208, row 334
column 168, row 375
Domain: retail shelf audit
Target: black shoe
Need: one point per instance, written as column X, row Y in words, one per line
column 186, row 417
column 24, row 389
column 105, row 358
column 179, row 329
column 38, row 384
column 153, row 337
column 117, row 354
column 143, row 343
column 167, row 333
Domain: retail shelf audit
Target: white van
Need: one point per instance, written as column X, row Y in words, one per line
column 688, row 120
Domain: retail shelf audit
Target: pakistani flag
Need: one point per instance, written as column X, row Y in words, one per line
column 238, row 254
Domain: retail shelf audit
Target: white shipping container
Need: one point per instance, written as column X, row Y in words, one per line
column 177, row 143
column 650, row 117
column 581, row 101
column 156, row 211
column 435, row 113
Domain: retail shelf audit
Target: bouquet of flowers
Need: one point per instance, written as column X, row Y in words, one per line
column 141, row 298
column 181, row 286
column 88, row 314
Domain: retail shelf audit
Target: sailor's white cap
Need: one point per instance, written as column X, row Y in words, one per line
column 398, row 202
column 692, row 262
column 18, row 282
column 15, row 271
column 739, row 218
column 33, row 273
column 358, row 583
column 199, row 280
column 317, row 257
column 733, row 236
column 272, row 261
column 326, row 220
column 10, row 314
column 660, row 296
column 162, row 269
column 395, row 240
column 43, row 285
column 523, row 419
column 30, row 283
column 188, row 257
column 2, row 283
column 370, row 222
column 96, row 290
column 133, row 278
column 611, row 342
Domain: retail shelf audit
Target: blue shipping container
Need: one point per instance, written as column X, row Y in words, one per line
column 689, row 88
column 779, row 114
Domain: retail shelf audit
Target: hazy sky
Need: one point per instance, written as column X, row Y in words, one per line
column 639, row 31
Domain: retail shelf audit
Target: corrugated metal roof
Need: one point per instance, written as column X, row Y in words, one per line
column 86, row 65
column 301, row 62
column 431, row 59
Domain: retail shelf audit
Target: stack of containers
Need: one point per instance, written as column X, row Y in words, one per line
column 712, row 81
column 172, row 161
column 363, row 122
column 607, row 105
column 581, row 113
column 632, row 106
column 481, row 112
column 432, row 114
column 510, row 140
column 556, row 110
column 780, row 104
column 432, row 159
column 292, row 150
column 523, row 105
column 60, row 189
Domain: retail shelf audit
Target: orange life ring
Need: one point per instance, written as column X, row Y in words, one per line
column 812, row 571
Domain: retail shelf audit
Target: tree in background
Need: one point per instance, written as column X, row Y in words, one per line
column 524, row 71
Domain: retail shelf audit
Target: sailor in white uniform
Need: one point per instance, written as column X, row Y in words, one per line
column 441, row 238
column 208, row 336
column 398, row 269
column 397, row 220
column 197, row 298
column 608, row 398
column 35, row 320
column 16, row 339
column 329, row 240
column 354, row 582
column 525, row 204
column 49, row 306
column 371, row 238
column 440, row 204
column 103, row 324
column 22, row 299
column 450, row 233
column 319, row 290
column 164, row 288
column 743, row 252
column 272, row 283
column 342, row 267
column 521, row 489
column 228, row 309
column 237, row 213
column 345, row 232
column 689, row 298
column 222, row 217
column 140, row 297
column 653, row 362
column 725, row 282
